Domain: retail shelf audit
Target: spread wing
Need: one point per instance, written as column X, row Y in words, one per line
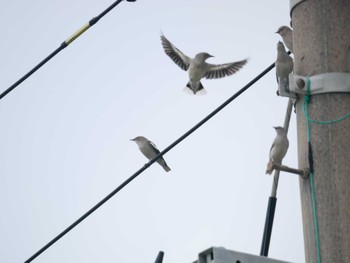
column 175, row 54
column 223, row 70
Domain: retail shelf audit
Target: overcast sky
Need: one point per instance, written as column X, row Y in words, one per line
column 65, row 132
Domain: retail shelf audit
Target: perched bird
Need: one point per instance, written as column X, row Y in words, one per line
column 278, row 149
column 197, row 67
column 150, row 150
column 287, row 35
column 284, row 65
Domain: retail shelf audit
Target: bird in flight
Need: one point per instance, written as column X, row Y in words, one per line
column 197, row 67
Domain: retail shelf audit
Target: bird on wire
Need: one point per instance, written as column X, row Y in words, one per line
column 150, row 150
column 278, row 149
column 197, row 67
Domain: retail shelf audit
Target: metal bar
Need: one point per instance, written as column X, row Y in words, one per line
column 270, row 214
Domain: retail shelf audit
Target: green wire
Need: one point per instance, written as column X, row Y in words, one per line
column 323, row 122
column 306, row 113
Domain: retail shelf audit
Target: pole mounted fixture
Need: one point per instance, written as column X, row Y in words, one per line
column 304, row 173
column 321, row 83
column 284, row 89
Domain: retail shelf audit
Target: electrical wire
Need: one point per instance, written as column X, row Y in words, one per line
column 132, row 177
column 62, row 46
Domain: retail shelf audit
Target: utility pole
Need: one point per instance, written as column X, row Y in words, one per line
column 321, row 44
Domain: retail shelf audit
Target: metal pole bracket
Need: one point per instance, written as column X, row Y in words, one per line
column 321, row 83
column 304, row 173
column 283, row 88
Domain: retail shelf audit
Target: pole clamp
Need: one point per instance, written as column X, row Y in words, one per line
column 321, row 83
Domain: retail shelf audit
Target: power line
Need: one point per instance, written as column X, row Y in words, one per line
column 62, row 46
column 131, row 178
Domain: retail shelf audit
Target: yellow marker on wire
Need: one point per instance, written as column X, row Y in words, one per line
column 77, row 33
column 62, row 46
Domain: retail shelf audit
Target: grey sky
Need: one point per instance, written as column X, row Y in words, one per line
column 65, row 132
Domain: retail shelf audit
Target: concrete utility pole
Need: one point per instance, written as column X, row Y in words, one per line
column 322, row 45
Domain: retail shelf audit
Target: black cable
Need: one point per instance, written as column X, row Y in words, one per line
column 270, row 214
column 120, row 187
column 159, row 258
column 53, row 241
column 310, row 158
column 223, row 105
column 62, row 46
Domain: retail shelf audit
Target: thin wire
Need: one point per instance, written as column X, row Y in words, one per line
column 131, row 178
column 79, row 220
column 323, row 122
column 61, row 47
column 312, row 186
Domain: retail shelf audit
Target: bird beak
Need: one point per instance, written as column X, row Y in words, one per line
column 275, row 127
column 132, row 139
column 211, row 56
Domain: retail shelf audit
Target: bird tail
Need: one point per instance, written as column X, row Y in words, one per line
column 166, row 168
column 269, row 168
column 195, row 90
column 164, row 165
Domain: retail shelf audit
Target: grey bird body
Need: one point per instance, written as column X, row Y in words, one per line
column 150, row 150
column 287, row 36
column 197, row 67
column 278, row 149
column 284, row 64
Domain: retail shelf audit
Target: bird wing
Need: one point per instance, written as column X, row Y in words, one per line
column 175, row 54
column 155, row 147
column 273, row 144
column 223, row 70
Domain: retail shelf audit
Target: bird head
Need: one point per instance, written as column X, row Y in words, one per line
column 138, row 139
column 283, row 30
column 203, row 56
column 279, row 129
